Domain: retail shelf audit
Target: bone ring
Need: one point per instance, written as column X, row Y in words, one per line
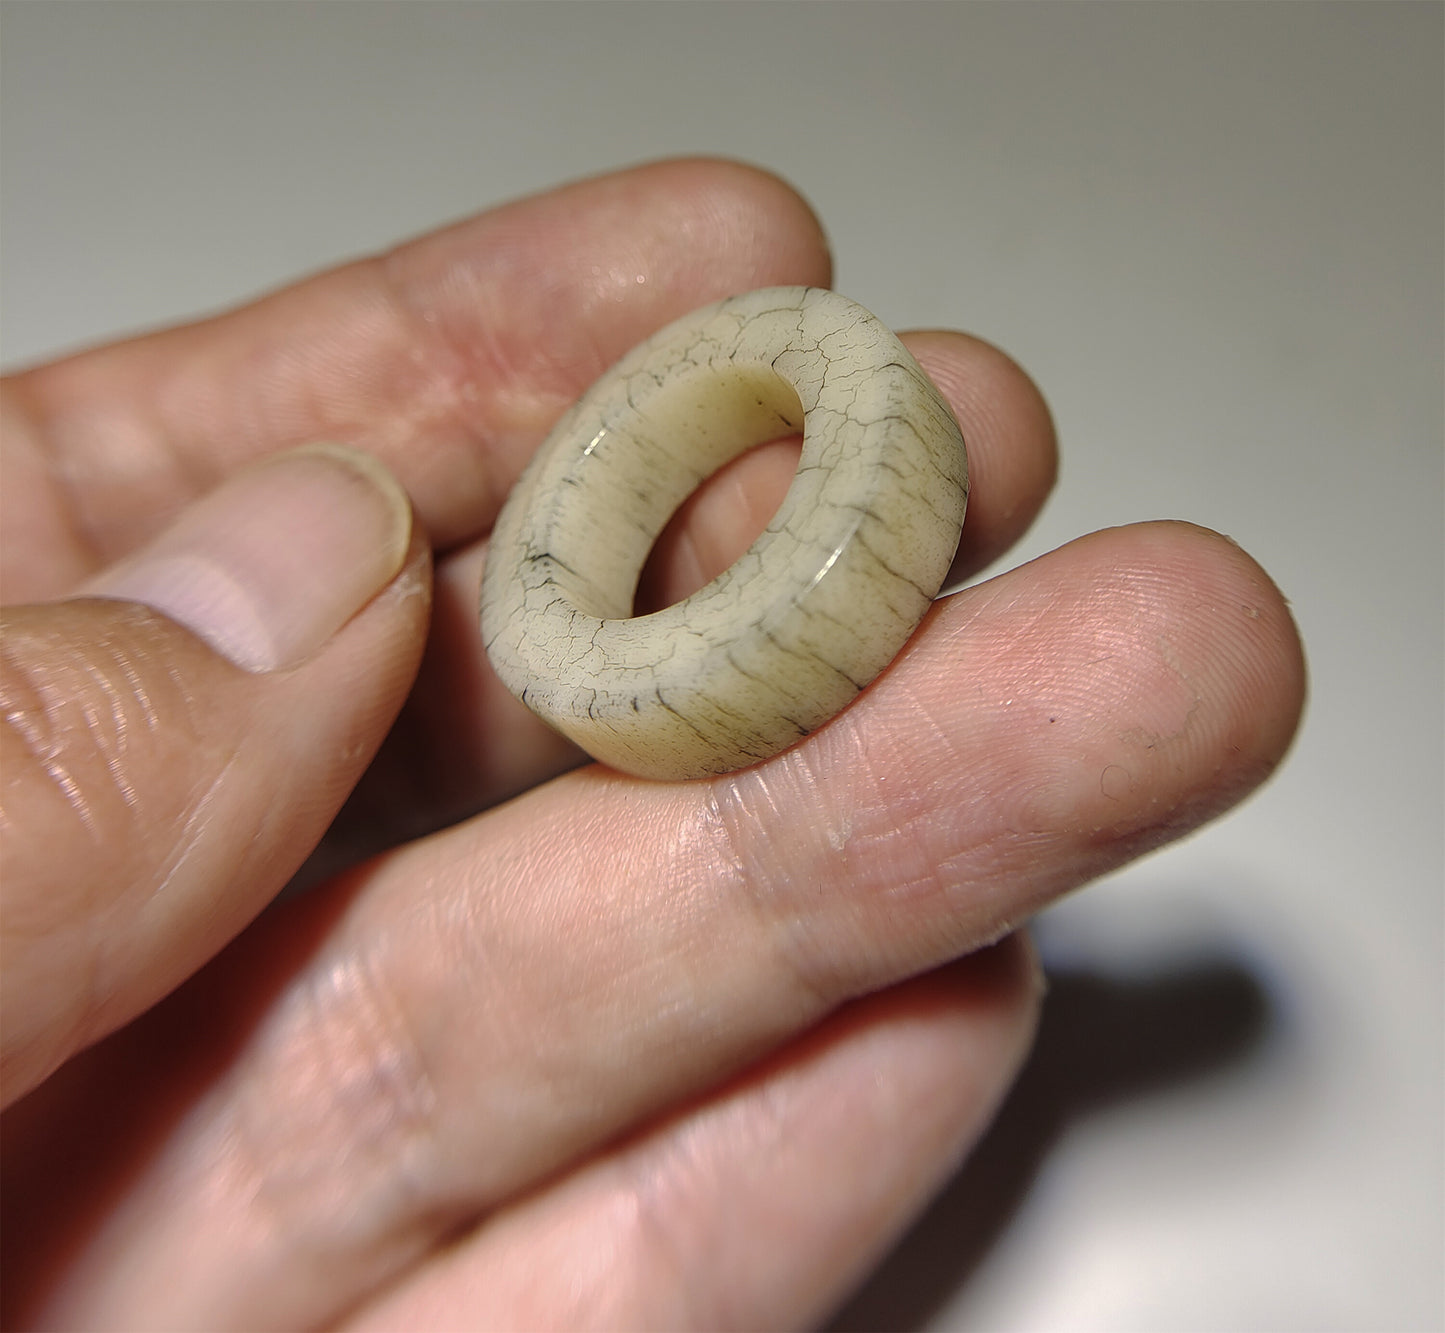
column 786, row 637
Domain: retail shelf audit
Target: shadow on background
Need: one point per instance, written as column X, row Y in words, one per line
column 1102, row 1040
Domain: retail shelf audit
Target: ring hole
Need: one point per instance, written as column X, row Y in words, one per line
column 716, row 524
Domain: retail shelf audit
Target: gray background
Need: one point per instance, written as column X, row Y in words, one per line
column 1214, row 235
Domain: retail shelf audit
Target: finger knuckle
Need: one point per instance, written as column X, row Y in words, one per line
column 349, row 1114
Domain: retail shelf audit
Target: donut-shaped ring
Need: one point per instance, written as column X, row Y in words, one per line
column 823, row 600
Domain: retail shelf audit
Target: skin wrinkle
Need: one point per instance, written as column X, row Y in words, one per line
column 579, row 1001
column 499, row 1018
column 82, row 710
column 33, row 740
column 113, row 743
column 152, row 871
column 73, row 711
column 193, row 819
column 359, row 1063
column 704, row 880
column 99, row 696
column 787, row 800
column 706, row 883
column 731, row 807
column 107, row 955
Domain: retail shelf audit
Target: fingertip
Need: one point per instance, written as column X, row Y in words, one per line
column 1260, row 653
column 1148, row 677
column 1237, row 616
column 752, row 198
column 1008, row 430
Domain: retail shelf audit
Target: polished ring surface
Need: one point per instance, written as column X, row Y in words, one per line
column 823, row 600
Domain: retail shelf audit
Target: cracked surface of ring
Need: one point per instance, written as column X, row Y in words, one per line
column 801, row 623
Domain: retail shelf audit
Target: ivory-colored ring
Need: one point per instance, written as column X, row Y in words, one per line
column 807, row 617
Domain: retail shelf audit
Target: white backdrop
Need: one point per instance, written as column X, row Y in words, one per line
column 1214, row 236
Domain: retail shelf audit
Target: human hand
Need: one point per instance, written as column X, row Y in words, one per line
column 614, row 1053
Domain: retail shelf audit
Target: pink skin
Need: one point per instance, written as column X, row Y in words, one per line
column 612, row 1053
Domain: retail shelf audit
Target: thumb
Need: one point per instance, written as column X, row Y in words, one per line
column 177, row 738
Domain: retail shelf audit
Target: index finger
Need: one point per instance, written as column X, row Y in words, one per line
column 448, row 358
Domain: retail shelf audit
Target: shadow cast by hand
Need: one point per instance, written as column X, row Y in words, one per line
column 1102, row 1040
